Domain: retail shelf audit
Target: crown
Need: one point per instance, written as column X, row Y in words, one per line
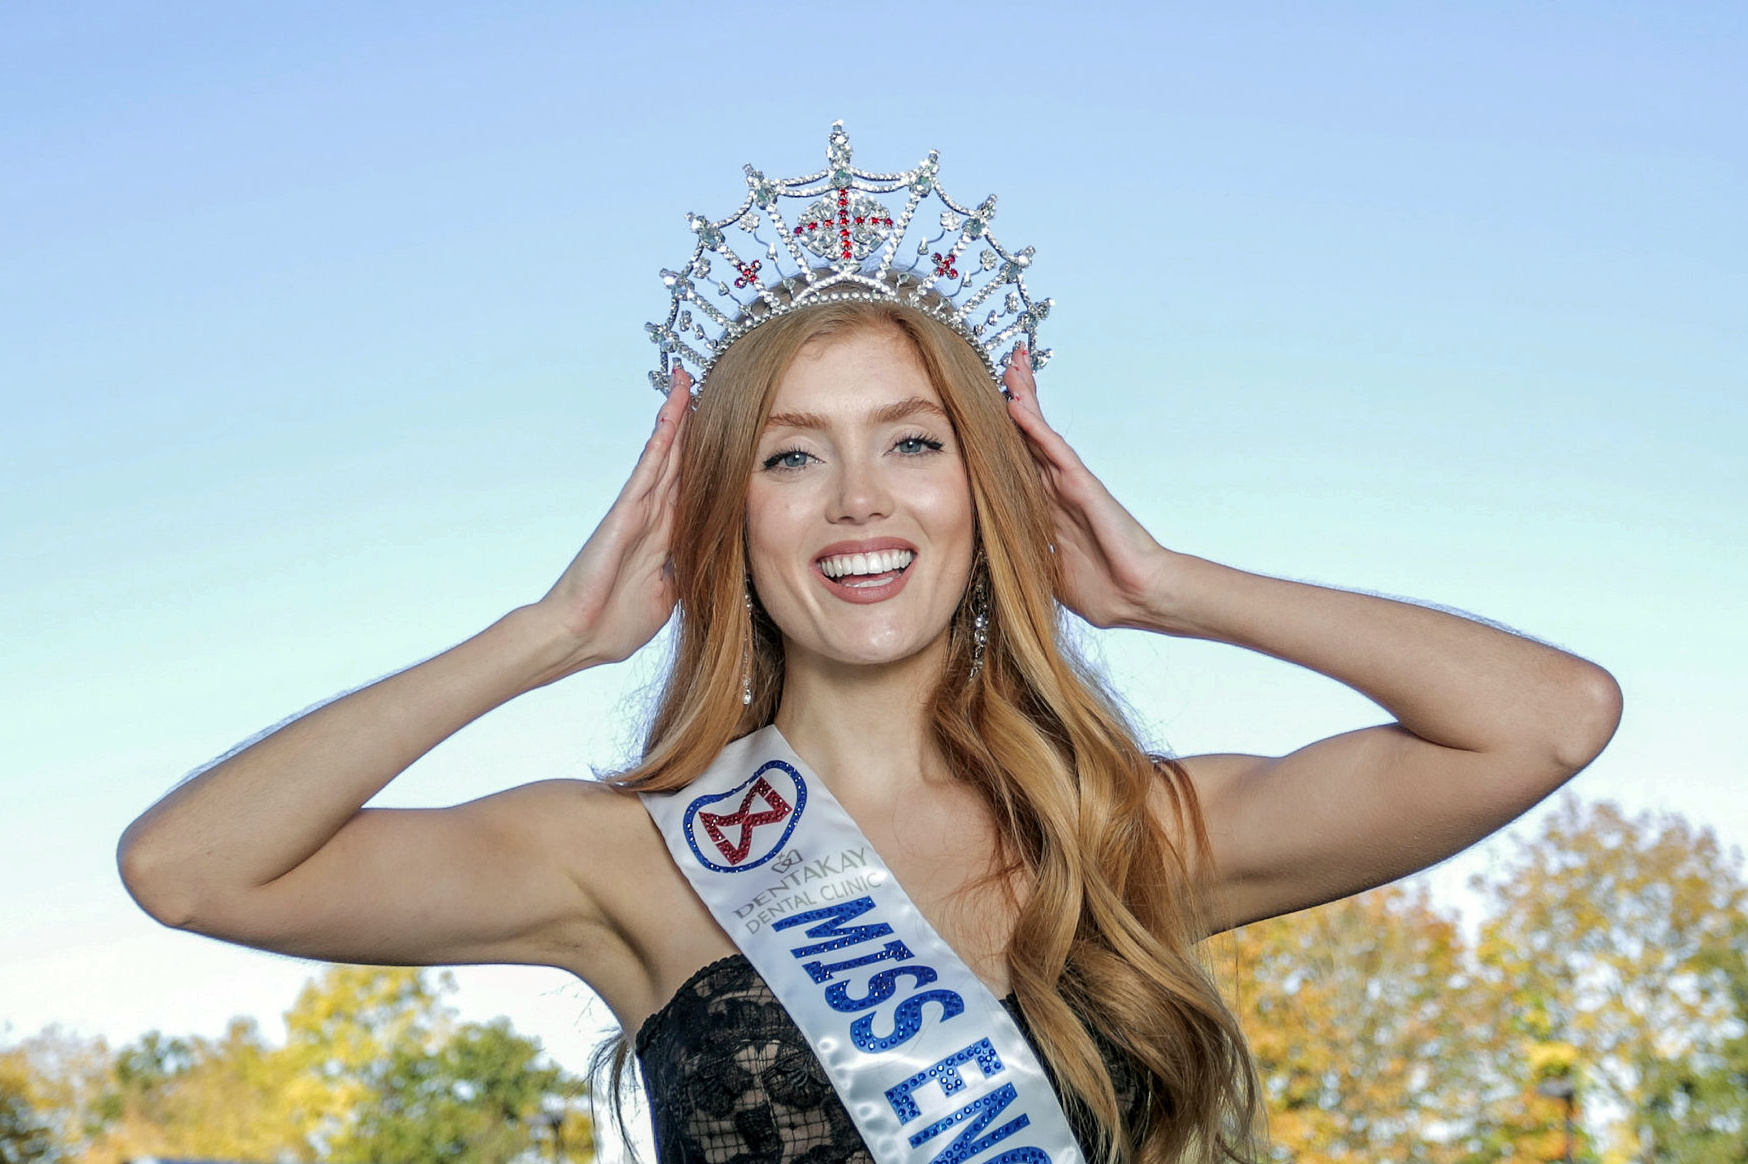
column 846, row 244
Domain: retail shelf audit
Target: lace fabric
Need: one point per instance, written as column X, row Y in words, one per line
column 732, row 1080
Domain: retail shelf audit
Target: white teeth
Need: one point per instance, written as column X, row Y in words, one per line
column 875, row 562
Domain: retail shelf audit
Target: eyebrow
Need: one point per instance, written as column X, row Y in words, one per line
column 887, row 414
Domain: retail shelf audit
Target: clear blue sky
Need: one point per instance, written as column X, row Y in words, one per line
column 321, row 346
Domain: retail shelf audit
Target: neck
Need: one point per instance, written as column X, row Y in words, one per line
column 863, row 729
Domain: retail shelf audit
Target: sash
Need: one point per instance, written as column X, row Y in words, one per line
column 929, row 1064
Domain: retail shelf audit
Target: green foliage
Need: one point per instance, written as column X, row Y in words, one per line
column 374, row 1069
column 25, row 1136
column 1615, row 935
column 344, row 1035
column 382, row 1075
column 480, row 1097
column 1696, row 1109
column 65, row 1079
column 1613, row 956
column 1358, row 1017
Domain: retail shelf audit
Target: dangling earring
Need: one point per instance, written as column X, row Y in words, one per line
column 979, row 618
column 746, row 657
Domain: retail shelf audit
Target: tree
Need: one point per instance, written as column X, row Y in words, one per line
column 64, row 1079
column 1615, row 936
column 373, row 1069
column 221, row 1098
column 343, row 1036
column 25, row 1136
column 1697, row 1109
column 482, row 1097
column 1357, row 1017
column 391, row 1079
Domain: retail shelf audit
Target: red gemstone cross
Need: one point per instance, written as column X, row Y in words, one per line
column 773, row 809
column 845, row 225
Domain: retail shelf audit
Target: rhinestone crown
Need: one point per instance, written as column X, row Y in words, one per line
column 845, row 245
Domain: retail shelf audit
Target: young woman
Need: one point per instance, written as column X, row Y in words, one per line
column 864, row 543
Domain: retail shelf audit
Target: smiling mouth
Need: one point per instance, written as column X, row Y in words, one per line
column 862, row 571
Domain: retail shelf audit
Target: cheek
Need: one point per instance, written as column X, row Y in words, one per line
column 759, row 548
column 776, row 527
column 946, row 505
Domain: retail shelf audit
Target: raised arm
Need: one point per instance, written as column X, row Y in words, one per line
column 272, row 847
column 1487, row 722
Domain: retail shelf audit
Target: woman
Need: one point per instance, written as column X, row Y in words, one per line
column 866, row 544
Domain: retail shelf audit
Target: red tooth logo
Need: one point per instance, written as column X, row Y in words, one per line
column 766, row 807
column 773, row 810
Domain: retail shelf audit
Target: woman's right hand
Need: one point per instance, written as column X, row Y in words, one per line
column 619, row 590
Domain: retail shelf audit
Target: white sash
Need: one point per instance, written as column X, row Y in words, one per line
column 927, row 1061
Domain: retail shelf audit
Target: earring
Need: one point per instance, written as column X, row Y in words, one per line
column 979, row 622
column 746, row 657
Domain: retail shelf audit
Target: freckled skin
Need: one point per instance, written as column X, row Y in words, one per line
column 852, row 474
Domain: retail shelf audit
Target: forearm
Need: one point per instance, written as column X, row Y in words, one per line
column 1448, row 679
column 260, row 813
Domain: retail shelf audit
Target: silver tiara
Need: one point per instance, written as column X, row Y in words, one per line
column 845, row 245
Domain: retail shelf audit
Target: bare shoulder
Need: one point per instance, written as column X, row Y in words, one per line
column 652, row 931
column 1190, row 791
column 569, row 813
column 597, row 836
column 1214, row 775
column 1192, row 799
column 578, row 826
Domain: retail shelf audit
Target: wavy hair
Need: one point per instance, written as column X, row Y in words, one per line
column 1110, row 913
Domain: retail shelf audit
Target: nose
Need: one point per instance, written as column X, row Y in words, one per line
column 860, row 492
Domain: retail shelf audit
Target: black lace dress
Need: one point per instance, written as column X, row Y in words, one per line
column 732, row 1080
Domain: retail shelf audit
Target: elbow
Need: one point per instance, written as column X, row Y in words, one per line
column 150, row 879
column 1589, row 713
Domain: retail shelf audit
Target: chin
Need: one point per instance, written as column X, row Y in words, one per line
column 881, row 651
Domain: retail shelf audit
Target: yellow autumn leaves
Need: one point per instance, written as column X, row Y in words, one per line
column 1605, row 950
column 374, row 1068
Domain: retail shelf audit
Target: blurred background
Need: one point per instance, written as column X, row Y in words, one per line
column 321, row 347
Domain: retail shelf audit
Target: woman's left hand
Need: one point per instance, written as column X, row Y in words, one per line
column 1113, row 572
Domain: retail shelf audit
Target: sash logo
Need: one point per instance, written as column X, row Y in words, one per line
column 750, row 822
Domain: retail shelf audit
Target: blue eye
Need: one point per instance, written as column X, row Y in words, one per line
column 912, row 446
column 787, row 459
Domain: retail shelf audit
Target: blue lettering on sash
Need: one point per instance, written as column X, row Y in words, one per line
column 830, row 926
column 907, row 1020
column 895, row 950
column 880, row 988
column 946, row 1073
column 976, row 1115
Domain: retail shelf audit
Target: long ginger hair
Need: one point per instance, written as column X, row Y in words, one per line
column 1107, row 925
